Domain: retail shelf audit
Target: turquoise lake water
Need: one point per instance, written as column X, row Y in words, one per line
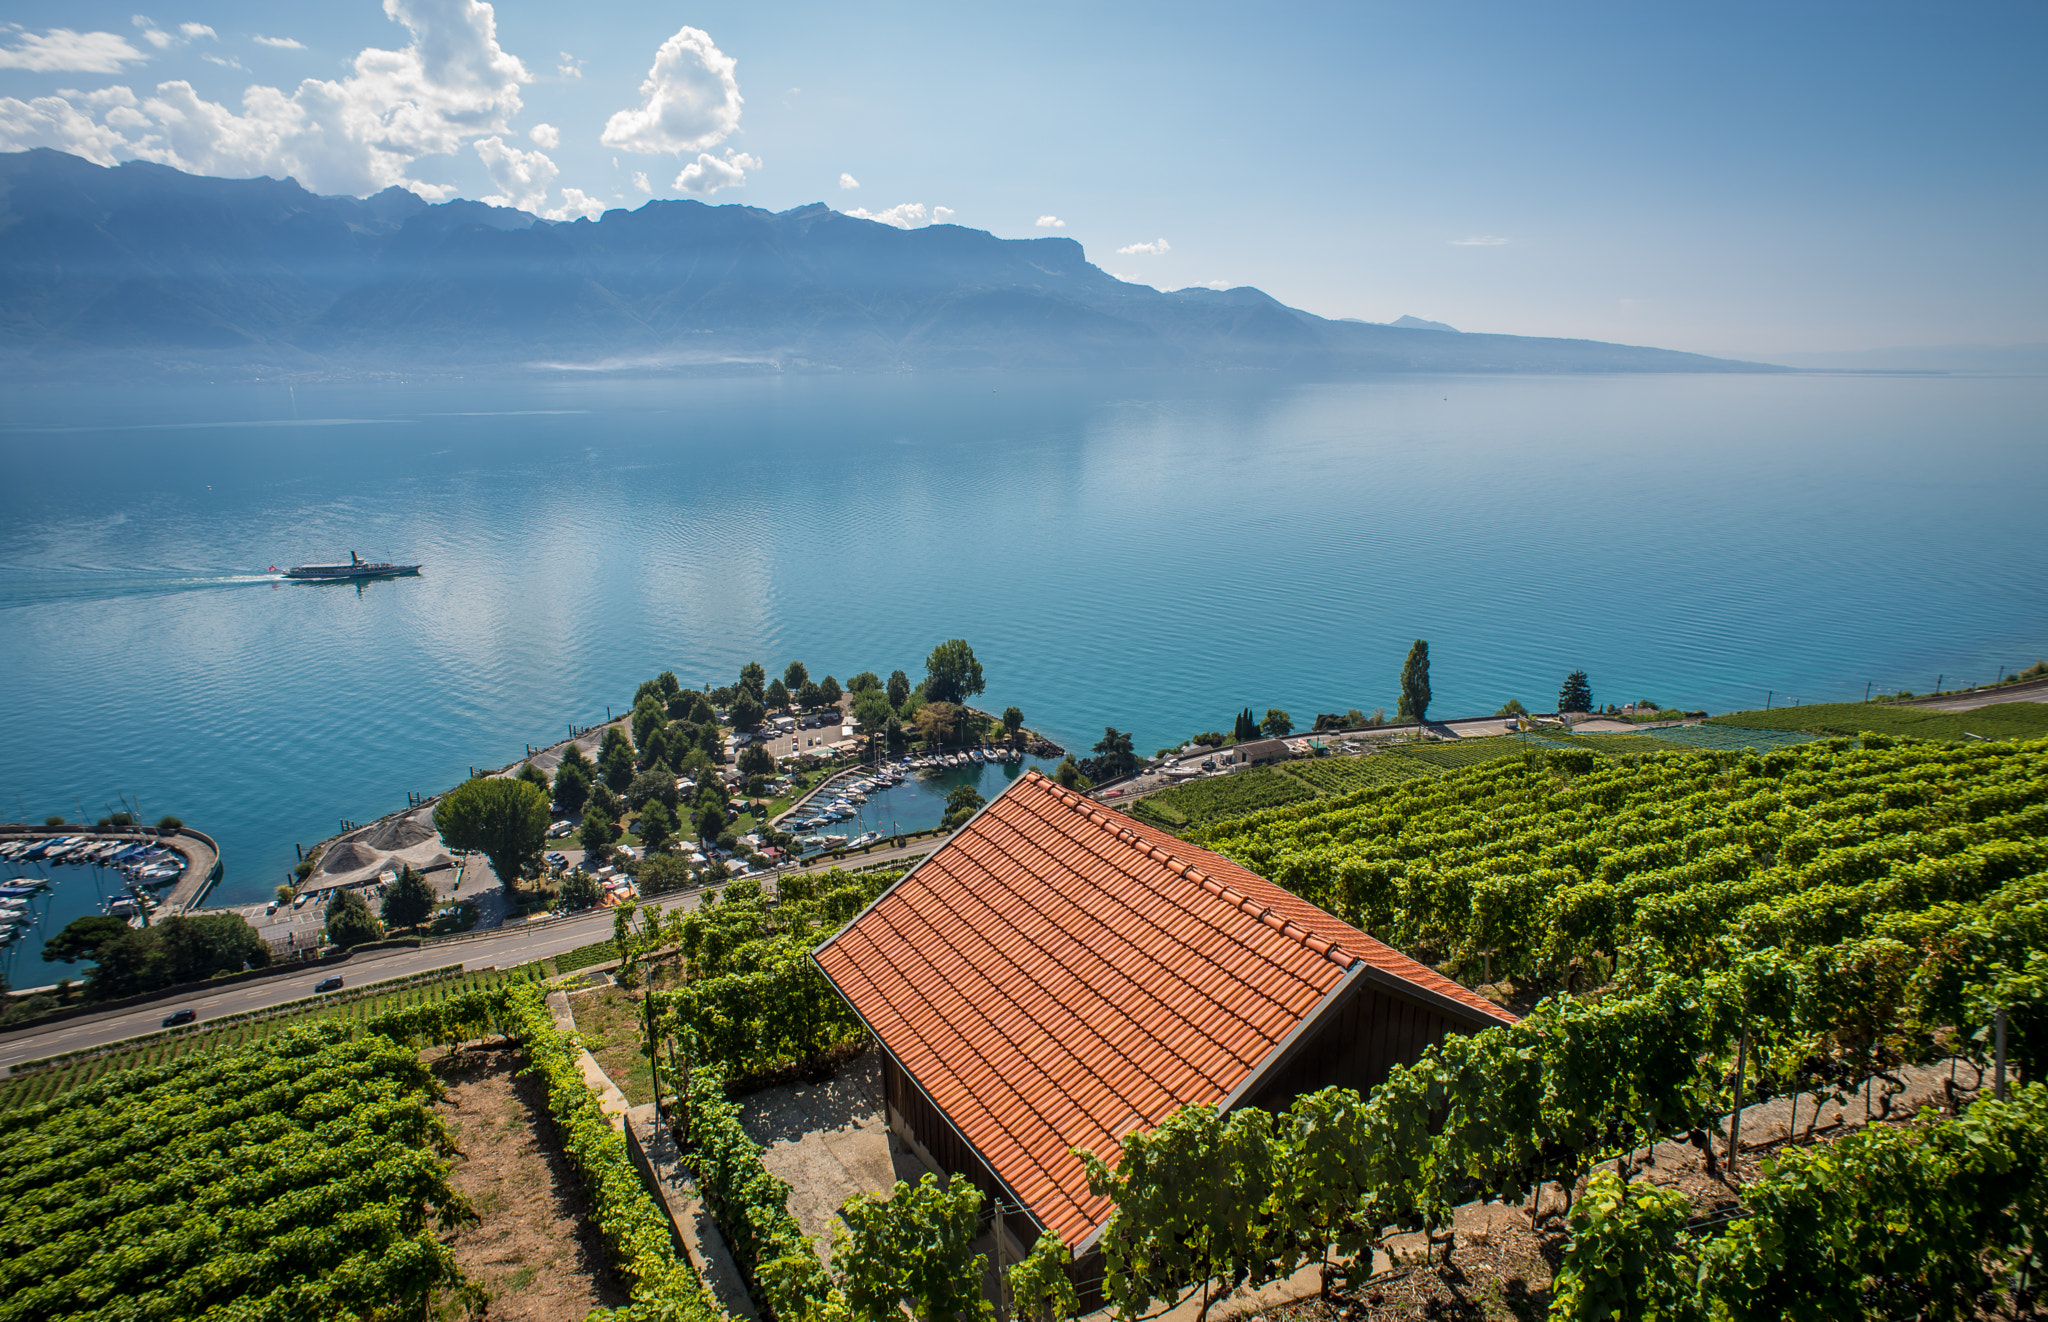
column 1149, row 553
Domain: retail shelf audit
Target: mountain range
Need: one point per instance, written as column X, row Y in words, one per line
column 143, row 267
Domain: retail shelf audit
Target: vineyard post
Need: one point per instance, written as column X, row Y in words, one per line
column 996, row 1225
column 1998, row 1044
column 1735, row 1115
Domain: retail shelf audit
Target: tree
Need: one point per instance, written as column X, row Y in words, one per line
column 828, row 691
column 961, row 804
column 1277, row 723
column 649, row 715
column 1512, row 707
column 285, row 893
column 778, row 696
column 701, row 712
column 655, row 785
column 597, row 835
column 899, row 692
column 616, row 763
column 796, row 676
column 746, row 711
column 1013, row 720
column 872, row 710
column 939, row 722
column 865, row 680
column 534, row 776
column 349, row 920
column 603, row 801
column 1576, row 695
column 656, row 827
column 654, row 749
column 82, row 938
column 504, row 820
column 754, row 680
column 580, row 891
column 810, row 696
column 409, row 901
column 1068, row 774
column 176, row 950
column 710, row 820
column 1246, row 729
column 1115, row 755
column 756, row 760
column 572, row 786
column 1415, row 683
column 951, row 674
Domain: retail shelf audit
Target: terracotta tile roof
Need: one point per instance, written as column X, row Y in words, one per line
column 1057, row 975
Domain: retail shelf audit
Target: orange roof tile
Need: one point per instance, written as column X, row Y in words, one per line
column 1057, row 971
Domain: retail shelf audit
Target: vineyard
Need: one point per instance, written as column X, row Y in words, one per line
column 2004, row 720
column 355, row 1009
column 303, row 1179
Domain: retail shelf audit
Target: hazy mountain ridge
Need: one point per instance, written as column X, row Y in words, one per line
column 142, row 264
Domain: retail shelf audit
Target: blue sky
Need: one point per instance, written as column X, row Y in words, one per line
column 1754, row 179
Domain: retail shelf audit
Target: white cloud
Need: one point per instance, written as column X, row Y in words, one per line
column 522, row 178
column 576, row 202
column 224, row 61
column 707, row 174
column 194, row 31
column 906, row 215
column 1156, row 248
column 1478, row 241
column 162, row 40
column 547, row 135
column 452, row 83
column 640, row 182
column 1050, row 223
column 1215, row 284
column 60, row 50
column 281, row 43
column 690, row 100
column 848, row 181
column 570, row 66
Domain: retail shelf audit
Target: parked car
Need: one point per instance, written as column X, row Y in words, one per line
column 181, row 1017
column 299, row 900
column 270, row 908
column 328, row 984
column 560, row 829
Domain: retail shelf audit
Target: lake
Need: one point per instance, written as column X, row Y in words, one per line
column 1149, row 553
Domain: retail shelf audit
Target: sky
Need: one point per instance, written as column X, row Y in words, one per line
column 1748, row 179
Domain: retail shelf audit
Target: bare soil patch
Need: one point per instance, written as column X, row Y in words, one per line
column 535, row 1251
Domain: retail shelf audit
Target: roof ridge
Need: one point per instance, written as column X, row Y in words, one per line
column 1237, row 899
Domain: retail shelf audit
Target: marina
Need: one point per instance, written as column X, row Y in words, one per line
column 51, row 875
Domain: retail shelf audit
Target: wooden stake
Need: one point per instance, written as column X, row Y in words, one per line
column 1735, row 1117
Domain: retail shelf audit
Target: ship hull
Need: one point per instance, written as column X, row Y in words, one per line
column 340, row 573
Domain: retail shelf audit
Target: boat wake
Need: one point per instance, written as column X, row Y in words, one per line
column 36, row 588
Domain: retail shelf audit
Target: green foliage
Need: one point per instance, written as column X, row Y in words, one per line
column 899, row 689
column 1040, row 1289
column 1202, row 801
column 1512, row 707
column 756, row 760
column 1246, row 729
column 504, row 820
column 872, row 710
column 349, row 920
column 579, row 890
column 655, row 827
column 173, row 951
column 1576, row 695
column 572, row 785
column 302, row 1178
column 82, row 937
column 2004, row 720
column 777, row 698
column 746, row 711
column 1415, row 683
column 1277, row 723
column 1625, row 1260
column 655, row 785
column 961, row 804
column 409, row 900
column 913, row 1249
column 1114, row 754
column 534, row 776
column 951, row 673
column 597, row 834
column 1013, row 720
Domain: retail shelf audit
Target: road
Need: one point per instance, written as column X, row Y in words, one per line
column 505, row 947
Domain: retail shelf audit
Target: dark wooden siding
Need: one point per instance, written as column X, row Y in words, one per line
column 1357, row 1044
column 929, row 1127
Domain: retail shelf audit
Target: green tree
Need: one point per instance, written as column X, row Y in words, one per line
column 940, row 723
column 796, row 676
column 284, row 894
column 1115, row 755
column 82, row 938
column 702, row 712
column 778, row 696
column 1068, row 774
column 605, row 803
column 1246, row 729
column 872, row 710
column 914, row 1248
column 1013, row 721
column 1415, row 683
column 409, row 901
column 649, row 715
column 810, row 696
column 1040, row 1288
column 865, row 680
column 572, row 786
column 1576, row 695
column 504, row 820
column 756, row 760
column 951, row 674
column 746, row 711
column 1512, row 707
column 654, row 785
column 597, row 835
column 961, row 804
column 534, row 776
column 899, row 690
column 349, row 920
column 1277, row 723
column 615, row 761
column 754, row 680
column 579, row 890
column 710, row 820
column 656, row 826
column 828, row 692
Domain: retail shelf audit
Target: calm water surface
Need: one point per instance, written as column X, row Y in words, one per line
column 1148, row 553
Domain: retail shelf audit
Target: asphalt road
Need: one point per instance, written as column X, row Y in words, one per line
column 506, row 947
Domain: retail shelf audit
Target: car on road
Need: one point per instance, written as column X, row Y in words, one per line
column 270, row 908
column 328, row 984
column 181, row 1017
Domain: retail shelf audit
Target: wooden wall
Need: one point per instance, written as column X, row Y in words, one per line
column 1358, row 1044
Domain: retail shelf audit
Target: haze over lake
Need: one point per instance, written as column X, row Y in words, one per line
column 1149, row 553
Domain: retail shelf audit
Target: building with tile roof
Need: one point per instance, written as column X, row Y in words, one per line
column 1057, row 975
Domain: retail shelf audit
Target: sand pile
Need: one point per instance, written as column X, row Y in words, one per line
column 397, row 833
column 348, row 856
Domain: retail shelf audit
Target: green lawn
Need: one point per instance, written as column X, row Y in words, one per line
column 2005, row 720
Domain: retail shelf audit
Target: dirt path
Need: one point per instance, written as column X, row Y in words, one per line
column 535, row 1249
